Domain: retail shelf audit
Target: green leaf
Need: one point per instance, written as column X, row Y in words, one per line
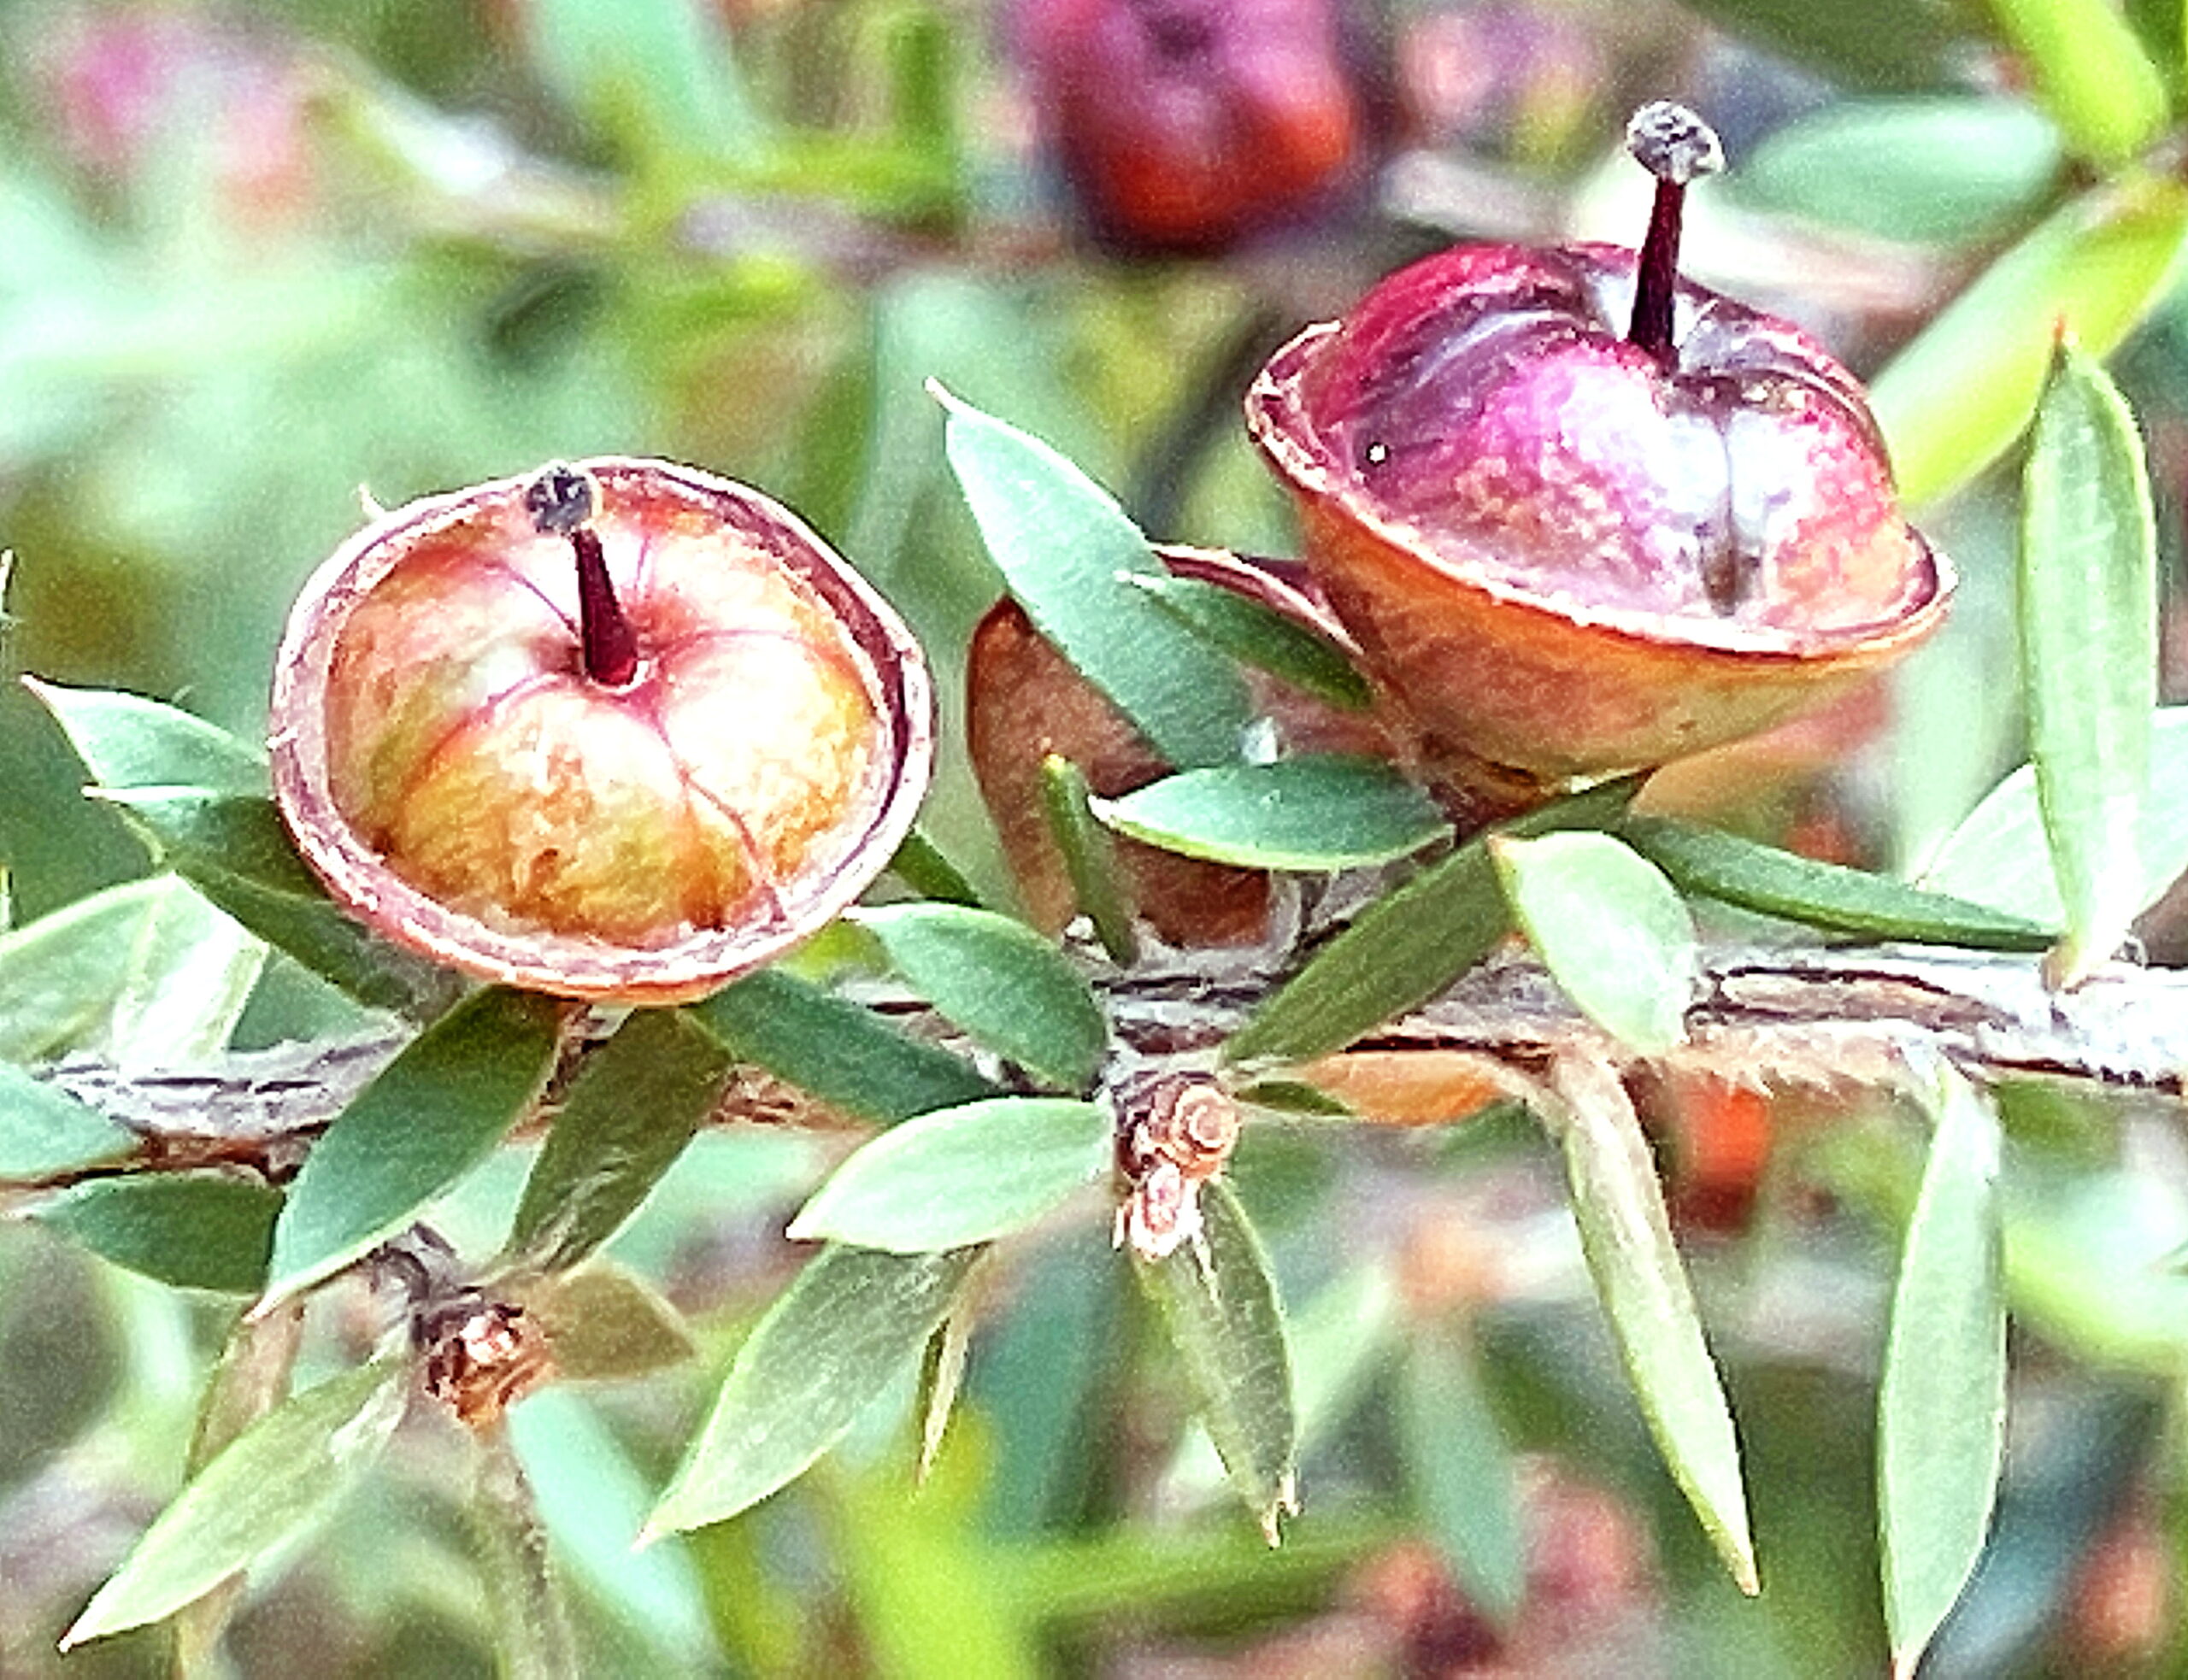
column 2088, row 616
column 922, row 865
column 1710, row 863
column 835, row 1051
column 661, row 67
column 1954, row 400
column 960, row 1175
column 1942, row 1407
column 284, row 1473
column 1219, row 1303
column 604, row 1324
column 142, row 974
column 2090, row 72
column 425, row 1121
column 1067, row 549
column 1256, row 634
column 126, row 741
column 1627, row 1240
column 1609, row 927
column 1999, row 856
column 1409, row 944
column 44, row 1130
column 197, row 1230
column 635, row 1105
column 1946, row 169
column 1874, row 43
column 233, row 849
column 999, row 982
column 851, row 1324
column 1317, row 812
column 1090, row 859
column 1464, row 1489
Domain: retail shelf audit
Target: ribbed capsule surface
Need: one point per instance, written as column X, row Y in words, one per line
column 454, row 774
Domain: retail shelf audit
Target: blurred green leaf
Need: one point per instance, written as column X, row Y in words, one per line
column 1754, row 876
column 1944, row 169
column 1954, row 400
column 1464, row 1488
column 2088, row 617
column 233, row 849
column 1870, row 43
column 2091, row 71
column 1609, row 927
column 920, row 865
column 126, row 741
column 1942, row 1406
column 1999, row 855
column 853, row 1321
column 1090, row 859
column 960, row 1175
column 1628, row 1239
column 604, row 1324
column 1256, row 634
column 1068, row 551
column 141, row 974
column 1409, row 944
column 426, row 1121
column 1318, row 812
column 197, row 1230
column 1000, row 983
column 662, row 66
column 632, row 1108
column 285, row 1472
column 835, row 1051
column 44, row 1130
column 1219, row 1303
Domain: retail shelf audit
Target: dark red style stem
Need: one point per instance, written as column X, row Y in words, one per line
column 564, row 500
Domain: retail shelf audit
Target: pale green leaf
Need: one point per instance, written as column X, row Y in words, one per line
column 1627, row 1237
column 1000, row 982
column 197, row 1230
column 1219, row 1302
column 1068, row 550
column 126, row 741
column 1942, row 1406
column 44, row 1130
column 1609, row 927
column 1464, row 1487
column 285, row 1472
column 960, row 1175
column 1098, row 885
column 851, row 1324
column 1256, row 634
column 425, row 1121
column 1318, row 812
column 2088, row 617
column 2090, row 72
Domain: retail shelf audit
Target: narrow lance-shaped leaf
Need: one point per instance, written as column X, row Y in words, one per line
column 635, row 1104
column 836, row 1052
column 1464, row 1489
column 1627, row 1237
column 44, row 1130
column 960, row 1175
column 197, row 1230
column 1409, row 944
column 284, row 1473
column 1942, row 1405
column 1067, row 549
column 1254, row 633
column 430, row 1116
column 604, row 1324
column 1000, row 982
column 2088, row 616
column 233, row 849
column 1828, row 895
column 1315, row 812
column 1999, row 857
column 1090, row 859
column 126, row 741
column 853, row 1321
column 1219, row 1302
column 1611, row 929
column 1954, row 400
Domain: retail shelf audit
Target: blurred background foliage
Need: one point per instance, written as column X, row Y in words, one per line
column 256, row 257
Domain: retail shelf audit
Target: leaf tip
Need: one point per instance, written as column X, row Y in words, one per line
column 951, row 403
